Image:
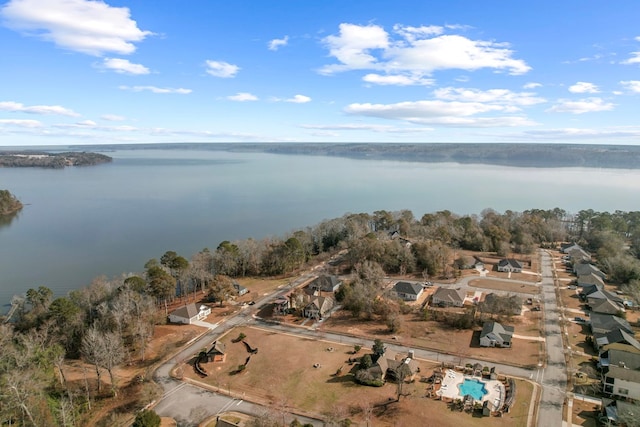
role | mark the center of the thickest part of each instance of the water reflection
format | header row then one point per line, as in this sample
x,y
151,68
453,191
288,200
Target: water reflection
x,y
6,220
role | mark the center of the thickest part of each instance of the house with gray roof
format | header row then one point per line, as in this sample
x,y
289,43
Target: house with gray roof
x,y
616,412
628,357
616,337
585,268
324,283
579,255
510,265
602,324
589,279
568,247
495,335
448,297
407,291
189,313
605,306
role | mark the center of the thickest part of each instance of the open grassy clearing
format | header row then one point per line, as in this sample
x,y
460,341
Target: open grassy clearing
x,y
282,375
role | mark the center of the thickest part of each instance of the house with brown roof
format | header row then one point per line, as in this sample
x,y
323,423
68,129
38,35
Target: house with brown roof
x,y
318,307
448,297
217,352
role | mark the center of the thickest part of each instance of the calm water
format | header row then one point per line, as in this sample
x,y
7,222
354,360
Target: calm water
x,y
80,223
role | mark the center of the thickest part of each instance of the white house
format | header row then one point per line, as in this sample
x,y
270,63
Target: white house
x,y
189,313
495,335
407,291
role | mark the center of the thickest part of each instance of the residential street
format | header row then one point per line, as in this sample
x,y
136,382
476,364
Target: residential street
x,y
554,375
185,402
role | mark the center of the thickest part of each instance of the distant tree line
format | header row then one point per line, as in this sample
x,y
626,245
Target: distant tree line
x,y
17,159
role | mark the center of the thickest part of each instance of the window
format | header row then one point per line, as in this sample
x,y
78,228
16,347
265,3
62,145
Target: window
x,y
623,391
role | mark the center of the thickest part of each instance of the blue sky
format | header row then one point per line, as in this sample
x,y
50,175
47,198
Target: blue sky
x,y
91,72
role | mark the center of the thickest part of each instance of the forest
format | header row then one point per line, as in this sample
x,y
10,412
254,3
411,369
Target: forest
x,y
19,159
9,204
110,322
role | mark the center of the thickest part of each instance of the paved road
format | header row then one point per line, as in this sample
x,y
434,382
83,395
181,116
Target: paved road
x,y
554,375
186,402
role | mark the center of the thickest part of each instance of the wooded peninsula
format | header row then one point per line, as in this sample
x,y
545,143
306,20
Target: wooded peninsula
x,y
9,204
41,159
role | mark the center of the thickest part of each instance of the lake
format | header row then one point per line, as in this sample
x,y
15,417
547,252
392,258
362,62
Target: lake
x,y
79,223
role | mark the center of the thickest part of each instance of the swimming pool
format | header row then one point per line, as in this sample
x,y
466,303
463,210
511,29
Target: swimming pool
x,y
472,387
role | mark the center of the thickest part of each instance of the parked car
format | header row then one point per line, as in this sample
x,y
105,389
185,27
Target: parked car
x,y
580,319
572,287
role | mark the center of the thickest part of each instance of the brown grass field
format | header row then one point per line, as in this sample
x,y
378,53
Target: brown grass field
x,y
282,375
497,285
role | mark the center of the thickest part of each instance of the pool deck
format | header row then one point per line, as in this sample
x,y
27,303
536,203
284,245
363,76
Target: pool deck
x,y
452,379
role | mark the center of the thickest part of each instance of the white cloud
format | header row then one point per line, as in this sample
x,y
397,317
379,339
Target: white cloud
x,y
21,123
397,80
440,112
242,97
154,89
635,58
413,33
221,69
90,27
17,107
581,106
123,66
531,85
299,99
417,51
584,87
112,117
275,44
352,47
496,96
632,85
367,127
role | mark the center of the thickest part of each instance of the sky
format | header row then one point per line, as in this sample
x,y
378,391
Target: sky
x,y
139,71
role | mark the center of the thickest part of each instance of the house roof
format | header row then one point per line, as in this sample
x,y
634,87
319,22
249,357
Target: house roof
x,y
408,288
620,336
625,374
495,329
322,304
217,348
325,283
605,323
449,294
238,287
590,279
604,306
513,263
624,359
188,311
583,268
578,253
588,289
565,247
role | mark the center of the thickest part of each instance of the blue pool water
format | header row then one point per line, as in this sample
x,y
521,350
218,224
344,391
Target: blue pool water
x,y
474,388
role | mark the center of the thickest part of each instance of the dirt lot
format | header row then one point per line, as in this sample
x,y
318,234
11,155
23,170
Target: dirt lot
x,y
282,375
504,286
